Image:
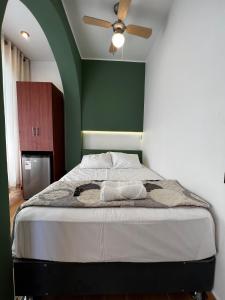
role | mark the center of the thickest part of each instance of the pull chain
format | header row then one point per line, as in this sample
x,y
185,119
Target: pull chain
x,y
122,53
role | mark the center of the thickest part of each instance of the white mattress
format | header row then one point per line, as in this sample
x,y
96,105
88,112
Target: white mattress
x,y
114,234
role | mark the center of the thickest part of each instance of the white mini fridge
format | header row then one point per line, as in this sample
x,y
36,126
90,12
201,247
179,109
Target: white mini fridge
x,y
36,173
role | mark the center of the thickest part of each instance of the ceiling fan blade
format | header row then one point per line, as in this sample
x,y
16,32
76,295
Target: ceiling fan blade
x,y
123,9
96,22
112,48
141,31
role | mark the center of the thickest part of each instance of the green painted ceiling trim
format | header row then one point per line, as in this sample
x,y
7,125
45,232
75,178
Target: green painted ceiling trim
x,y
51,16
6,275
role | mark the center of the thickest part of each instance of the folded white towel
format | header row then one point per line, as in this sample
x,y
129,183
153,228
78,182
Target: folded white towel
x,y
122,190
121,183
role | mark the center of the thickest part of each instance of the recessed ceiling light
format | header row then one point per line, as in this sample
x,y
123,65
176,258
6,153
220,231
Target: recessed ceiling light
x,y
25,35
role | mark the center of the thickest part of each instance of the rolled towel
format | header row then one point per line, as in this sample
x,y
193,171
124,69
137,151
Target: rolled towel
x,y
122,191
121,183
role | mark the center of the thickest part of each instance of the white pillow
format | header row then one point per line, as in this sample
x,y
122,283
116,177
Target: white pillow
x,y
96,161
125,161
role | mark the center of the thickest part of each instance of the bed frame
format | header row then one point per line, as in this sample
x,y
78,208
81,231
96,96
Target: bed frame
x,y
38,278
41,278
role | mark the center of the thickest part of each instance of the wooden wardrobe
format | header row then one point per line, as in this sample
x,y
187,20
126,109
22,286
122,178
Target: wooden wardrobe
x,y
41,122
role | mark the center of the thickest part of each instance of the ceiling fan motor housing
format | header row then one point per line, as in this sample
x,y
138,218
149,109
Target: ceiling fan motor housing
x,y
119,26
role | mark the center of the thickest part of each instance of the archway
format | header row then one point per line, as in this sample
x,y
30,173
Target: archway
x,y
51,17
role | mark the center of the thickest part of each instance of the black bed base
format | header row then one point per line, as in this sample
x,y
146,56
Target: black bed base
x,y
39,278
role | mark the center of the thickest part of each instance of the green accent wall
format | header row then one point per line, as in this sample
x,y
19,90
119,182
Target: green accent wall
x,y
52,18
6,275
112,95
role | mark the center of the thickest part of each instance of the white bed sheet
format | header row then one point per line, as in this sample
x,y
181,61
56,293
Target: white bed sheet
x,y
143,173
114,234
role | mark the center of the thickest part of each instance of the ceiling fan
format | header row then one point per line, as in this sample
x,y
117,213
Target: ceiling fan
x,y
119,27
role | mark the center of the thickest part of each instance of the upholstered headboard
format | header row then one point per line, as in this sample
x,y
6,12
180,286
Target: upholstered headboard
x,y
97,151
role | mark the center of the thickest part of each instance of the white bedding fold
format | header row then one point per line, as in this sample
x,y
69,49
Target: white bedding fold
x,y
112,190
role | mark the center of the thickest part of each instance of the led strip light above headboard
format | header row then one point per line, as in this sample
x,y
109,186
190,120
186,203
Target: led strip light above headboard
x,y
118,140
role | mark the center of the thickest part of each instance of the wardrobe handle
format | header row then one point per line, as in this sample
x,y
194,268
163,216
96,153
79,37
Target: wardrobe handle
x,y
33,131
38,131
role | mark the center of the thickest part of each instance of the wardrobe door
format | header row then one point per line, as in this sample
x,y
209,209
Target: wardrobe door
x,y
27,117
42,95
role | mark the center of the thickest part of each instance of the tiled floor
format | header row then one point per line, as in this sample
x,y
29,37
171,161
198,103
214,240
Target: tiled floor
x,y
16,199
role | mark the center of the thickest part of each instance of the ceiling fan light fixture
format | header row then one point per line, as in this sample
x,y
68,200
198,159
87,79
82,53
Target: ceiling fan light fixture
x,y
118,39
119,27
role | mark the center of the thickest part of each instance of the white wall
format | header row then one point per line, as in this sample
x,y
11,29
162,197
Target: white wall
x,y
46,71
184,122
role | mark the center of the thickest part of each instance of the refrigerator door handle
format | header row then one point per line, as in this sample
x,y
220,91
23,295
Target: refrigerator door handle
x,y
33,131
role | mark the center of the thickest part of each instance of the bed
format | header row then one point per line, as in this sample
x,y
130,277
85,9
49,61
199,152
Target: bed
x,y
59,251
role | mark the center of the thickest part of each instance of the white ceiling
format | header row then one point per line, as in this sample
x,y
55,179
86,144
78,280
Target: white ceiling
x,y
18,17
93,42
